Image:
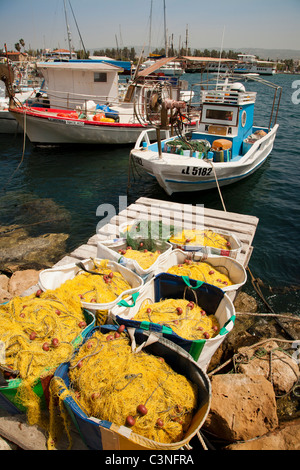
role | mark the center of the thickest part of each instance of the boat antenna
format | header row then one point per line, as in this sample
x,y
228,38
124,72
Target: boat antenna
x,y
77,29
221,50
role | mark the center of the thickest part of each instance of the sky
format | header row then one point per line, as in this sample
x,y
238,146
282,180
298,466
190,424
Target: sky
x,y
230,24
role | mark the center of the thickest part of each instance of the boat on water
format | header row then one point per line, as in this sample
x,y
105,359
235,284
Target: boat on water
x,y
224,148
244,64
84,104
23,86
170,69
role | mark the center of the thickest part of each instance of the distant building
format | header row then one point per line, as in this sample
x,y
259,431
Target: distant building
x,y
15,56
59,54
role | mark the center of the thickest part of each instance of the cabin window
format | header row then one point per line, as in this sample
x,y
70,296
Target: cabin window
x,y
219,115
100,77
224,115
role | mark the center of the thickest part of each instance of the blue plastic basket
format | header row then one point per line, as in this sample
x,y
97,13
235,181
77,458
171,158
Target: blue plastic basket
x,y
100,434
212,299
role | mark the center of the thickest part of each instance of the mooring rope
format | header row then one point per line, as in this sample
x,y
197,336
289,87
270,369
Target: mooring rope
x,y
23,153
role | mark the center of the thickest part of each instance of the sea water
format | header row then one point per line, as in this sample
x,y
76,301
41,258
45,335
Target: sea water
x,y
64,186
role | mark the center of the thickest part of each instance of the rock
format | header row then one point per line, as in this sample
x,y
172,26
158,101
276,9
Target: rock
x,y
4,280
286,437
245,303
242,407
5,296
5,445
284,369
20,281
18,250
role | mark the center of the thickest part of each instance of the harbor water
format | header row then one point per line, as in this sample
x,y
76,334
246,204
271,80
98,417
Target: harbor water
x,y
63,187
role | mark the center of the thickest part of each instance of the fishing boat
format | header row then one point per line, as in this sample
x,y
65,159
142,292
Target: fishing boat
x,y
84,105
224,148
172,68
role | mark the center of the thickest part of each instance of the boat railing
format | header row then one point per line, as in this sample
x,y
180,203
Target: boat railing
x,y
227,97
144,137
261,144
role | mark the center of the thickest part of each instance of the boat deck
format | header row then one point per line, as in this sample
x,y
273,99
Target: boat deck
x,y
14,428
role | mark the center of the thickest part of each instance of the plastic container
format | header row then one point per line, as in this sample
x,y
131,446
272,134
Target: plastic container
x,y
167,286
54,277
103,435
229,266
221,144
235,246
110,248
221,156
8,392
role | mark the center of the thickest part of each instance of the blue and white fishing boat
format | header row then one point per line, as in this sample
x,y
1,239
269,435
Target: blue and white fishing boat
x,y
224,148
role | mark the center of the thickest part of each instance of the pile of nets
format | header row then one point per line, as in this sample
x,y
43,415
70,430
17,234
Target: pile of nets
x,y
195,237
143,257
103,288
150,231
111,382
185,318
179,145
201,271
37,333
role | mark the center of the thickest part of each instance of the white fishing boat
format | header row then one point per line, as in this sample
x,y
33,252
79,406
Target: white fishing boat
x,y
84,105
225,147
170,69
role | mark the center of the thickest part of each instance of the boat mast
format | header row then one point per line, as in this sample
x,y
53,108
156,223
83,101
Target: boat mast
x,y
68,30
165,28
78,29
150,28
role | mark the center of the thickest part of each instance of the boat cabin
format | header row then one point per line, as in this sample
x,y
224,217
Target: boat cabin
x,y
73,83
227,114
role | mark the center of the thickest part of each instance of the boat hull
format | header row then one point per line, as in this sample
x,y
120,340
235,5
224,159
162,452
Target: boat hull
x,y
178,173
42,130
8,124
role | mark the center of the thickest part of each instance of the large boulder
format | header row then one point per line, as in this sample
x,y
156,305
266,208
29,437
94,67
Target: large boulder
x,y
271,362
242,407
20,281
285,437
20,251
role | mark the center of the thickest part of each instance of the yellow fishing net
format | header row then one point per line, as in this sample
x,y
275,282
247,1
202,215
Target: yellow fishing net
x,y
138,390
37,332
92,288
186,318
144,258
195,237
201,271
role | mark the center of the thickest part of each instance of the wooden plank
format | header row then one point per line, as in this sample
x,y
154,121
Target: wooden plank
x,y
84,252
248,219
244,233
245,238
189,216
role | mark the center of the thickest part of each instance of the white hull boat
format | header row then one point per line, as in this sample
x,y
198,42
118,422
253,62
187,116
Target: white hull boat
x,y
225,147
180,173
47,126
92,113
8,123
